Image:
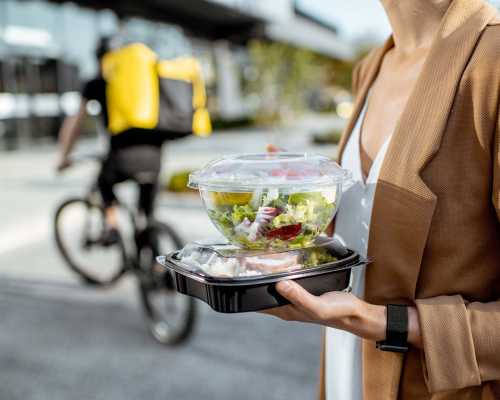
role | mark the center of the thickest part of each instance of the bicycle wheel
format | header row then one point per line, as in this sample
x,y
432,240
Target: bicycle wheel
x,y
78,228
170,315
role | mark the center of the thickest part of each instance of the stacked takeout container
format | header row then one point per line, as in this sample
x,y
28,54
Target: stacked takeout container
x,y
272,210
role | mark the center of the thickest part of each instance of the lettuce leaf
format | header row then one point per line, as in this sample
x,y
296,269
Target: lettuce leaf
x,y
302,198
241,212
317,257
283,220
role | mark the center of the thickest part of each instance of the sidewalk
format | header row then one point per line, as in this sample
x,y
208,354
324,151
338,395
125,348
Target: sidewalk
x,y
60,340
31,190
196,152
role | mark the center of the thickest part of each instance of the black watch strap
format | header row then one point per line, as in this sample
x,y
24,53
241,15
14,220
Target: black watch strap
x,y
396,339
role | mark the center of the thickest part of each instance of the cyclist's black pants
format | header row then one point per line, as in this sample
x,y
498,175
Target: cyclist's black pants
x,y
141,164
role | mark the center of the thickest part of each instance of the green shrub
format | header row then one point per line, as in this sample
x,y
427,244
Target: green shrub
x,y
221,124
330,137
178,182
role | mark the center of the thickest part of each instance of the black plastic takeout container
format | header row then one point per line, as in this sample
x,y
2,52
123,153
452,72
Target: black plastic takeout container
x,y
254,293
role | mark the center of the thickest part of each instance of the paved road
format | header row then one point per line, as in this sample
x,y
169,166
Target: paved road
x,y
71,343
59,340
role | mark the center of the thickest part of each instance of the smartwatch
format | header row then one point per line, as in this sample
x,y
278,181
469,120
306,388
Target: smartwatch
x,y
396,333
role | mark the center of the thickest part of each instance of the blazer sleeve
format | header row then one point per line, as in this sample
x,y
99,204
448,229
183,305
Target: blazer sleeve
x,y
462,340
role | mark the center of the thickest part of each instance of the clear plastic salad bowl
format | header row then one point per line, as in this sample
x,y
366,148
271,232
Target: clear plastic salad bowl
x,y
271,201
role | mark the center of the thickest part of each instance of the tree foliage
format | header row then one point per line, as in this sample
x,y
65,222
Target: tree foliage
x,y
285,76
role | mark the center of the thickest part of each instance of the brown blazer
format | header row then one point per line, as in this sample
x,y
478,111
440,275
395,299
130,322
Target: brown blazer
x,y
435,231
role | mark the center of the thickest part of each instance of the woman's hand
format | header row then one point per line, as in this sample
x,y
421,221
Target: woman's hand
x,y
339,310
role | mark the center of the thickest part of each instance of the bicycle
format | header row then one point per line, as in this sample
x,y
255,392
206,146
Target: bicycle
x,y
78,230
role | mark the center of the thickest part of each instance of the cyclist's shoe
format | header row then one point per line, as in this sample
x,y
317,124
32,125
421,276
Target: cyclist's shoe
x,y
110,237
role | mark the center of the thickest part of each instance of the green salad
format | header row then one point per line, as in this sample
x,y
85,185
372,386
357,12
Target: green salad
x,y
270,219
318,256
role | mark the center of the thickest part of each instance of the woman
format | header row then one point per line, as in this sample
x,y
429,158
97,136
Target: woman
x,y
424,145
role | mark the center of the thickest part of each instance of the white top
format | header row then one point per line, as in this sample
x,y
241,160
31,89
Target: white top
x,y
343,350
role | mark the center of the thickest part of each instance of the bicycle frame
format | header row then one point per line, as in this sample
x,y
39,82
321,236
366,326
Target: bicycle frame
x,y
132,248
137,248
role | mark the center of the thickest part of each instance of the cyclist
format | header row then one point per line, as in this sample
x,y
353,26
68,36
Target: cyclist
x,y
132,155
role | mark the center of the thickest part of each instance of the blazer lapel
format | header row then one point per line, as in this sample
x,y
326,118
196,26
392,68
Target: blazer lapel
x,y
404,204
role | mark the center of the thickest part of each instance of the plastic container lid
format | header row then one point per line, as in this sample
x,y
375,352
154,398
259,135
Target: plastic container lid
x,y
226,260
283,171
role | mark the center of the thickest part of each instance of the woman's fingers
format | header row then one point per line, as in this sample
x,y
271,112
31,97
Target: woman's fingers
x,y
304,306
300,297
286,313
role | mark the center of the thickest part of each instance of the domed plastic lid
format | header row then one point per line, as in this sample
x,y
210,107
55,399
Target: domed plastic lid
x,y
284,171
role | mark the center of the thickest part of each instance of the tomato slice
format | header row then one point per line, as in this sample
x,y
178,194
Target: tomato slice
x,y
285,232
278,172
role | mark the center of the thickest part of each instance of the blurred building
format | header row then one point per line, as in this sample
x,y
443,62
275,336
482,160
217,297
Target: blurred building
x,y
47,50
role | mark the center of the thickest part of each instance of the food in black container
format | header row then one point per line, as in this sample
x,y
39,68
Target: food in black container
x,y
234,280
273,208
